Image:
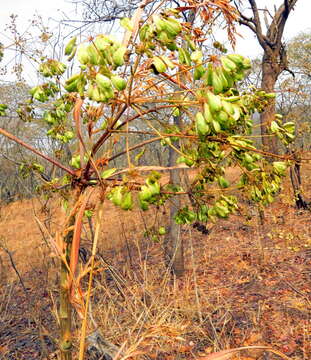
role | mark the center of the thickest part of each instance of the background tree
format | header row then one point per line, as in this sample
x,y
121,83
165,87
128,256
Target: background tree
x,y
269,29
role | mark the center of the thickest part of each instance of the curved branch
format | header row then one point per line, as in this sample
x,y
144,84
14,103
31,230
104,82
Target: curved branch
x,y
35,151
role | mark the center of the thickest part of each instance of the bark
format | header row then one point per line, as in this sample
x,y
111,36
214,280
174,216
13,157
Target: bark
x,y
65,308
270,73
173,244
295,177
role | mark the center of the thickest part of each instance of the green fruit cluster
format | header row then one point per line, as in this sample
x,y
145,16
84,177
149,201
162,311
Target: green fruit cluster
x,y
3,107
75,83
43,92
219,113
163,29
103,51
120,196
148,193
285,132
222,78
51,68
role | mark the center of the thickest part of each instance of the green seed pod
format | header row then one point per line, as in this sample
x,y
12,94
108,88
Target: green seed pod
x,y
117,196
162,230
236,58
118,56
201,126
127,202
223,183
214,102
70,46
94,55
228,64
118,82
199,71
82,54
159,64
103,81
207,113
217,83
172,26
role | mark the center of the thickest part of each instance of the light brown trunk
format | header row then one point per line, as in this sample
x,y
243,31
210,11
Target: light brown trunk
x,y
65,307
173,244
270,73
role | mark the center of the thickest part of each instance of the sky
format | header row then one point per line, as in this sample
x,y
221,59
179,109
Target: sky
x,y
52,10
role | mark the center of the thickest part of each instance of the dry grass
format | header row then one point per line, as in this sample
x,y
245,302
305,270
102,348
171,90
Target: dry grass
x,y
245,284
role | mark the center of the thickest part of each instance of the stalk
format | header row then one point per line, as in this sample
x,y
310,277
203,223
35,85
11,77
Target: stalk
x,y
65,343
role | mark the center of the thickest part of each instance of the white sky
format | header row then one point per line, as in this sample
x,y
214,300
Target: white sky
x,y
298,21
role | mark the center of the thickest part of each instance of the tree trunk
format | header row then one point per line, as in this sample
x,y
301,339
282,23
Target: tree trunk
x,y
173,244
295,178
270,74
65,343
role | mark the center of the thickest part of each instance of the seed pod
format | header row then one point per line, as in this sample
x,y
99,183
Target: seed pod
x,y
209,75
72,86
70,46
127,202
107,94
82,54
228,108
144,205
207,113
117,196
228,64
246,64
199,71
118,82
94,56
118,56
237,112
103,82
222,118
236,58
101,43
184,56
223,79
239,75
201,126
214,102
229,77
224,183
197,56
158,65
159,22
172,26
144,32
145,193
217,83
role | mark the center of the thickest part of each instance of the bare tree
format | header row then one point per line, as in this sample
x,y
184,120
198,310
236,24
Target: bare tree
x,y
274,60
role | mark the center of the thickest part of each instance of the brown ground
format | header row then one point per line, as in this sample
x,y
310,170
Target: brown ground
x,y
245,284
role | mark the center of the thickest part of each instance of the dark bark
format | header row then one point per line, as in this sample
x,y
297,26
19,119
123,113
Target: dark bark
x,y
295,177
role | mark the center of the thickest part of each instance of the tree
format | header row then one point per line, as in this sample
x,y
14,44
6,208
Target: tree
x,y
295,105
274,60
119,83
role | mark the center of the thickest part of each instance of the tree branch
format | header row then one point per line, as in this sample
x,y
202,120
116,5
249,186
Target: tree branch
x,y
260,36
32,149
